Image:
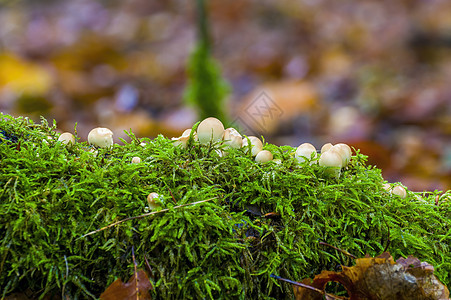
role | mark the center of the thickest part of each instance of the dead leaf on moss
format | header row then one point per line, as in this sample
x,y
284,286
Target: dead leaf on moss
x,y
137,288
380,278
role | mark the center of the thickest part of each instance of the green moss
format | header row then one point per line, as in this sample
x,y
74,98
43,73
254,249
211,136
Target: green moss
x,y
226,248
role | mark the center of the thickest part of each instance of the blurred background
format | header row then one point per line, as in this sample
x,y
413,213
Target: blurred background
x,y
373,74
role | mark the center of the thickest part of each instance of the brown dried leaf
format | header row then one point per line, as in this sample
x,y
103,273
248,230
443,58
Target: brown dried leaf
x,y
137,288
381,278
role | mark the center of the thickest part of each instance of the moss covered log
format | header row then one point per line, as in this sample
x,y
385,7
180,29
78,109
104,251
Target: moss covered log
x,y
261,219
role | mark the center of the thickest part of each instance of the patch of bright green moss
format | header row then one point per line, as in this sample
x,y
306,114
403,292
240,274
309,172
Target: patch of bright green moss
x,y
51,196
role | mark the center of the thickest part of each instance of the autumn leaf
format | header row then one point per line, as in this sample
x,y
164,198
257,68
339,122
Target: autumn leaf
x,y
137,288
378,278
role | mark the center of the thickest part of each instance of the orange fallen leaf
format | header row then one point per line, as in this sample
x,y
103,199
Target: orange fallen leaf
x,y
137,288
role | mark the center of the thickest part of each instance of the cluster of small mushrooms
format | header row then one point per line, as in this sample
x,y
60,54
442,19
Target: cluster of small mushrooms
x,y
210,131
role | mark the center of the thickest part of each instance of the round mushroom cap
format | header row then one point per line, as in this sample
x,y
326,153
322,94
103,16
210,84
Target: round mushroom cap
x,y
331,158
326,147
136,160
399,191
232,138
345,152
152,200
181,141
187,133
305,151
210,130
67,138
101,137
256,143
263,156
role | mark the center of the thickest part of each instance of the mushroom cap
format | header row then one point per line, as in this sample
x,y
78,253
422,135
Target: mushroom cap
x,y
263,156
332,161
326,147
210,130
331,158
101,137
256,143
181,141
67,138
387,187
305,151
345,152
187,133
399,191
232,138
151,200
136,160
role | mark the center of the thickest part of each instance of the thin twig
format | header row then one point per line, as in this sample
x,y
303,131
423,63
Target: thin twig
x,y
306,286
341,250
145,215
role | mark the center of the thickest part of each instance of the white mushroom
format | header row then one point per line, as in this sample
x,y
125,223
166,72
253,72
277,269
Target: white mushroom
x,y
180,141
152,200
256,144
345,152
232,138
101,137
304,152
387,187
210,130
263,156
67,138
332,161
399,191
326,147
187,133
136,160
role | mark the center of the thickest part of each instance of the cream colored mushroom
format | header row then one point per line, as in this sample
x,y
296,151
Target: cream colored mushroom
x,y
67,138
263,156
136,160
152,200
101,137
345,152
326,147
399,191
387,187
256,145
232,138
210,130
332,161
305,151
180,141
187,133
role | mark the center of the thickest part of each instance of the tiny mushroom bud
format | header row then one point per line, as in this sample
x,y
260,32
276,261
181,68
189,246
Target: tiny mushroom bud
x,y
326,147
67,138
332,161
263,156
256,144
304,152
210,130
399,191
101,137
232,138
152,200
136,160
